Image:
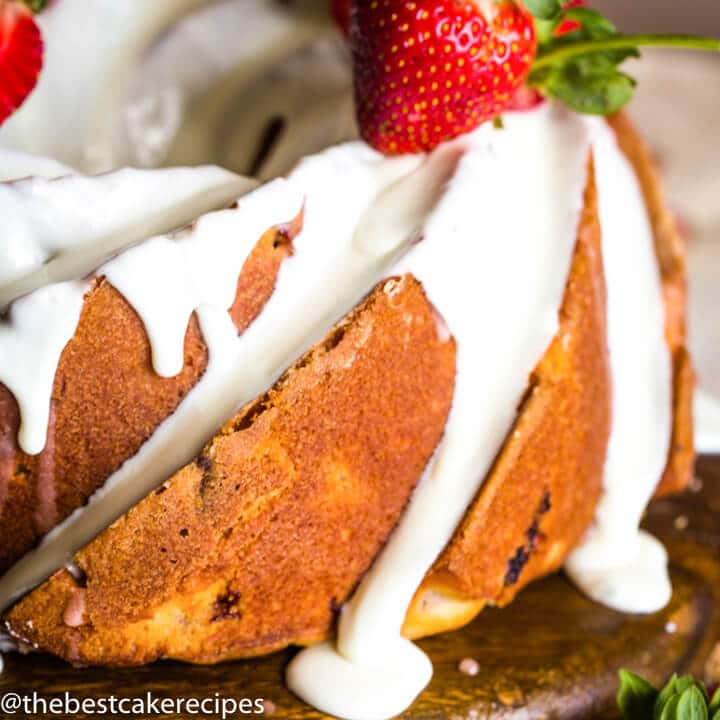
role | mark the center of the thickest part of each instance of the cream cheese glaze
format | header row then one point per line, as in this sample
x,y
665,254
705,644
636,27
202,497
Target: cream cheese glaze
x,y
616,564
60,229
37,329
15,165
506,201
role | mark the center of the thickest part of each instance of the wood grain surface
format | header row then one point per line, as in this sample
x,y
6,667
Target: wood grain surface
x,y
551,654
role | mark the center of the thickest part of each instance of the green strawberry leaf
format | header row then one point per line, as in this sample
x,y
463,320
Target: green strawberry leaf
x,y
581,67
544,9
664,696
715,703
670,710
591,92
36,5
692,705
636,696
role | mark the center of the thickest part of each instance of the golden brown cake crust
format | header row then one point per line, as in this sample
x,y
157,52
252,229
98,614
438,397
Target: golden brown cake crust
x,y
106,402
257,543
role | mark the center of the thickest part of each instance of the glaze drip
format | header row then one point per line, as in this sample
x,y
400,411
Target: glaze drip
x,y
616,564
32,339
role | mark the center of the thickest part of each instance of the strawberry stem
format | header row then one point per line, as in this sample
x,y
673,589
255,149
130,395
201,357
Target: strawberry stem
x,y
624,42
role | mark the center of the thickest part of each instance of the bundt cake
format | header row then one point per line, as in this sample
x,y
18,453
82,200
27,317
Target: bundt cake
x,y
450,364
355,405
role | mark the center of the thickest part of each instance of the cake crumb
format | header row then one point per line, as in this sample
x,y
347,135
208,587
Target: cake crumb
x,y
681,522
269,707
469,666
511,697
696,484
670,628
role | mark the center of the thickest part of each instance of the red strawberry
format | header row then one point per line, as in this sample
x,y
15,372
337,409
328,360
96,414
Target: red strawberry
x,y
526,98
21,55
340,11
568,26
429,71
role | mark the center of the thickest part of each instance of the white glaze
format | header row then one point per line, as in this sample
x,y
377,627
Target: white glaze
x,y
498,277
31,341
167,278
15,165
60,229
92,51
324,279
615,564
6,645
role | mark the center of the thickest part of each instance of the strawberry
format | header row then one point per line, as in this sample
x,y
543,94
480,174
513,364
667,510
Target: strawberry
x,y
426,72
526,98
21,55
340,11
568,26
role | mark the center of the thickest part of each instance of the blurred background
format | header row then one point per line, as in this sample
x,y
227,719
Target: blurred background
x,y
196,81
691,16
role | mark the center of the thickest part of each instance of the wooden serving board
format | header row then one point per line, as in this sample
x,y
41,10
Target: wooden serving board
x,y
551,654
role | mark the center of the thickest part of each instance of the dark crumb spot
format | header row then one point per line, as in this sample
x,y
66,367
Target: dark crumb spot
x,y
78,574
545,504
534,537
184,532
335,338
282,236
22,470
516,565
204,463
253,413
304,361
160,490
163,550
237,487
532,532
227,606
335,606
234,206
227,533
